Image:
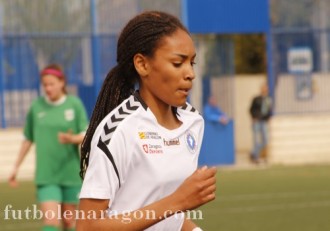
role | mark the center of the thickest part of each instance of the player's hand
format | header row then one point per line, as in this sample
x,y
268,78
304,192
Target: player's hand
x,y
12,179
224,120
197,189
65,137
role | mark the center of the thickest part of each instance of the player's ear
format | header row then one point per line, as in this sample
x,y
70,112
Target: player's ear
x,y
141,65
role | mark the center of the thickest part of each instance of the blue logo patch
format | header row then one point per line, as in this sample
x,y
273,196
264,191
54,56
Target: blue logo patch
x,y
191,142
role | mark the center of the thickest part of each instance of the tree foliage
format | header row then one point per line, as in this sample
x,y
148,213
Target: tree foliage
x,y
240,54
250,54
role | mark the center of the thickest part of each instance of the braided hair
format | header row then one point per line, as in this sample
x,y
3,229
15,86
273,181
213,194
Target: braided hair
x,y
143,35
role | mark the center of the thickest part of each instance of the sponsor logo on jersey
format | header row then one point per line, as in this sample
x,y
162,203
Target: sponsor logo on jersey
x,y
171,142
145,148
41,114
191,142
69,114
149,135
152,148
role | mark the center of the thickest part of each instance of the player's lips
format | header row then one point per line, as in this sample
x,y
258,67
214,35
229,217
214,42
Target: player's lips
x,y
184,91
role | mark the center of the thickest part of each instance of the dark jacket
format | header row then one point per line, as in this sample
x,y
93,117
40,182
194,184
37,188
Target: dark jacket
x,y
256,108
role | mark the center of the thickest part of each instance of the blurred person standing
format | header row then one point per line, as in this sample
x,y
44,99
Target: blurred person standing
x,y
213,113
56,123
260,111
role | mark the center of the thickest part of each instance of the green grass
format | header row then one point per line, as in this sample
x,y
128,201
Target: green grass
x,y
277,198
20,198
265,199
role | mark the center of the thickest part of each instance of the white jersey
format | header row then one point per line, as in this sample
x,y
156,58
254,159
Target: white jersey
x,y
134,161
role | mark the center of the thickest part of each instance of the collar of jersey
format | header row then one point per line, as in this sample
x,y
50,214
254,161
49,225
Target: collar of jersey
x,y
57,102
145,106
170,133
139,98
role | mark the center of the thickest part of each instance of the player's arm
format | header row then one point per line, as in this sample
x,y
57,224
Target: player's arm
x,y
196,190
24,149
82,124
70,138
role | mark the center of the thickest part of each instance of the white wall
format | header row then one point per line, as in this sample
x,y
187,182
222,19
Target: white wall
x,y
300,139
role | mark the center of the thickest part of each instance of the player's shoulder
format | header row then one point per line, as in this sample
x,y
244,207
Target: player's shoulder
x,y
38,101
189,111
121,119
73,99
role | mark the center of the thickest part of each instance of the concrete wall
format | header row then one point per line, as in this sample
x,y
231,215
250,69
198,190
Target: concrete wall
x,y
300,139
286,94
10,141
246,87
294,138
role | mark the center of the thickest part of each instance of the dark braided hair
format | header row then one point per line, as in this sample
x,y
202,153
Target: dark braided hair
x,y
141,35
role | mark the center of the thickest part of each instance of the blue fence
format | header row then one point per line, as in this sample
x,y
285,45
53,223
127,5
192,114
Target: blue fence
x,y
80,35
301,25
20,74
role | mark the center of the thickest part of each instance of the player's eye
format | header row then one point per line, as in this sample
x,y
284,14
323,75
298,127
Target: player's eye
x,y
177,64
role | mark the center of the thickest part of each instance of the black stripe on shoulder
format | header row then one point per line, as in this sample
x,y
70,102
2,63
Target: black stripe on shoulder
x,y
184,107
188,107
107,152
115,118
131,107
122,112
108,130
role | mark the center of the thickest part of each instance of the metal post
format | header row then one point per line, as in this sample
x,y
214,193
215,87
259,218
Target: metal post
x,y
269,48
2,74
95,47
184,13
324,41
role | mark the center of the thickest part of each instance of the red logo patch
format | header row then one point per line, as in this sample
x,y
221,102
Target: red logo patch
x,y
145,148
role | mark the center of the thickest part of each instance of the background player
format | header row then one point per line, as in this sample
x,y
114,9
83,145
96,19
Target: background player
x,y
56,123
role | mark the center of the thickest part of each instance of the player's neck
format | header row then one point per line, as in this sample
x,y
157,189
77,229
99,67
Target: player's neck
x,y
167,119
55,102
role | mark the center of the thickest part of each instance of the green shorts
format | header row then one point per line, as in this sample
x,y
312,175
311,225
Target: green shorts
x,y
58,193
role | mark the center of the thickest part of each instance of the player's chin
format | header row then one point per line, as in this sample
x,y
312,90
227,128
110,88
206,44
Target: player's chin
x,y
179,99
51,97
180,102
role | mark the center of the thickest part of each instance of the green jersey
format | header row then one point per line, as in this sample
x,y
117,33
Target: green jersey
x,y
56,163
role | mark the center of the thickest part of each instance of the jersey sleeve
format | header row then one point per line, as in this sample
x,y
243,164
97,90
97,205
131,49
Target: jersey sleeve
x,y
106,170
28,127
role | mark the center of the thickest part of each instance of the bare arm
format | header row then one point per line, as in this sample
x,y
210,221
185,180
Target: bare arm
x,y
196,190
24,149
70,138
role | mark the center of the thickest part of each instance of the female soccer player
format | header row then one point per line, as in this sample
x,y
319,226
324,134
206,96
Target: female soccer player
x,y
140,152
56,123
